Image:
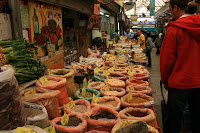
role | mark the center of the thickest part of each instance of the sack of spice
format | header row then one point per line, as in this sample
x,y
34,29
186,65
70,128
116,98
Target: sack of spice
x,y
115,83
76,124
44,97
69,75
117,75
113,91
96,131
56,83
125,122
141,114
88,95
136,82
35,128
102,118
99,77
96,85
81,106
107,101
36,115
137,100
139,89
139,76
11,107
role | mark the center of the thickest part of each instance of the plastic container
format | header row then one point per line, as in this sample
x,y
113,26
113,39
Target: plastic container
x,y
44,97
106,101
78,102
77,94
136,82
11,107
60,85
140,114
148,103
40,120
69,75
140,89
113,91
78,129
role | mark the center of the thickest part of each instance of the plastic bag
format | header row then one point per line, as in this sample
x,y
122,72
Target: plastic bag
x,y
113,91
96,85
37,129
45,97
101,124
60,85
115,83
41,120
149,103
79,102
120,124
69,75
107,99
77,94
94,53
136,82
141,114
78,129
11,107
140,89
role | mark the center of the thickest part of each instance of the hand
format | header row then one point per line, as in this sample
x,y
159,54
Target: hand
x,y
166,87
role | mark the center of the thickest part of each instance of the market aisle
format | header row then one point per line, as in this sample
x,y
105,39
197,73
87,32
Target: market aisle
x,y
155,84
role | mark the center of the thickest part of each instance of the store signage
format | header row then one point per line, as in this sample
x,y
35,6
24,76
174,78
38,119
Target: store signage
x,y
152,7
45,5
96,9
134,18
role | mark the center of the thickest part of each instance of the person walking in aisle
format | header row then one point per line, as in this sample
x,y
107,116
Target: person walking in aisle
x,y
128,34
149,45
141,40
180,63
115,36
158,42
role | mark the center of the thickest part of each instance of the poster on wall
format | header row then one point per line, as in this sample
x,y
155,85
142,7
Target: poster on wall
x,y
46,32
94,22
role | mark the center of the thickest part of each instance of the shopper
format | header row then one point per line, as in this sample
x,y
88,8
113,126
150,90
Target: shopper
x,y
149,45
115,36
141,40
127,34
180,63
158,42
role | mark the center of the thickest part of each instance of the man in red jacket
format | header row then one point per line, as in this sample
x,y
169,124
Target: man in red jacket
x,y
180,64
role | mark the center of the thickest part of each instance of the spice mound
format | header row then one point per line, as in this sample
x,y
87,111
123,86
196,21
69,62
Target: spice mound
x,y
73,121
104,114
95,84
140,89
136,114
137,100
79,108
31,112
87,95
113,103
49,82
111,92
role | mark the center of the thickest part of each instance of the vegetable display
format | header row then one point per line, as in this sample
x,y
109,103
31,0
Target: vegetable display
x,y
20,55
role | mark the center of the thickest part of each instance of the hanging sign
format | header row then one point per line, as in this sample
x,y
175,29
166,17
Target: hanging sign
x,y
96,9
152,7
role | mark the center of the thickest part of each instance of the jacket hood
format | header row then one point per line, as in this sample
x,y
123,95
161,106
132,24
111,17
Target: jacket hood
x,y
190,24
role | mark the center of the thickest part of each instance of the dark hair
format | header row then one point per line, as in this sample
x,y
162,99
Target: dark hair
x,y
116,30
148,34
185,5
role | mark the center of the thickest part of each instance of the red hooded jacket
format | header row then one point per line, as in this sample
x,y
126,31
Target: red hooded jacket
x,y
180,54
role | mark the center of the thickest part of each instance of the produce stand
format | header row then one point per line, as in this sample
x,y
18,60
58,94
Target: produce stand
x,y
98,104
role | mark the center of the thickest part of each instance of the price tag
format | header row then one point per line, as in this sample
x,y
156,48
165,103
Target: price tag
x,y
84,82
43,80
96,70
130,76
87,115
114,66
134,57
105,72
32,91
125,123
83,91
94,98
111,69
131,87
71,104
24,130
64,119
130,96
50,129
106,88
123,51
61,110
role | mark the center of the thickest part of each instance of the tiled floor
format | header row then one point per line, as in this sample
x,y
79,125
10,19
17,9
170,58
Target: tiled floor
x,y
155,84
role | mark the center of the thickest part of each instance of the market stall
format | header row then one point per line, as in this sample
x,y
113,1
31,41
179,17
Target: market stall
x,y
102,93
